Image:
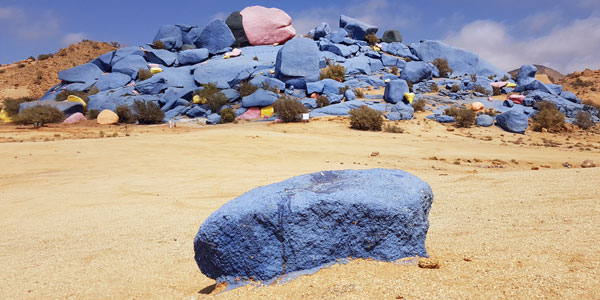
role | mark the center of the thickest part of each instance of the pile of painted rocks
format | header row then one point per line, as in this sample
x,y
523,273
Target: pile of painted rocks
x,y
260,45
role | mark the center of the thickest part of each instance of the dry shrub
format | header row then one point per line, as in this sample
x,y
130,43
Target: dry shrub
x,y
92,114
246,88
452,111
365,118
582,83
125,114
480,89
147,112
419,105
394,70
334,71
393,128
158,44
267,87
455,88
372,39
11,105
410,85
64,94
216,101
442,65
505,78
144,74
40,115
434,88
322,101
548,117
584,120
407,59
227,115
207,90
44,56
465,118
592,104
490,112
359,93
289,109
497,91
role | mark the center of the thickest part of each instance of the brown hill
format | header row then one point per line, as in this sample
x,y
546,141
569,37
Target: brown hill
x,y
34,77
585,84
553,75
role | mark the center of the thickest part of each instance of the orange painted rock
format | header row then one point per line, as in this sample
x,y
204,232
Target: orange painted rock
x,y
314,95
107,117
267,26
477,106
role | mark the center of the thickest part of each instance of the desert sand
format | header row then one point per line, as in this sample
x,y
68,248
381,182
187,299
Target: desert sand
x,y
85,217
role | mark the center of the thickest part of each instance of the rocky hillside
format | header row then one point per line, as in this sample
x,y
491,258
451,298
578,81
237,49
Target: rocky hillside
x,y
35,77
585,84
553,75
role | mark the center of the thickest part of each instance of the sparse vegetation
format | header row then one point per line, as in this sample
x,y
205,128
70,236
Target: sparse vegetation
x,y
365,118
39,115
394,70
227,115
419,105
115,44
144,74
246,88
322,101
593,104
455,88
216,101
474,77
158,44
147,112
584,120
465,118
393,128
434,88
11,105
372,39
20,66
578,83
289,109
92,114
548,117
267,87
407,59
360,93
342,90
490,112
479,89
410,85
442,65
255,58
505,78
64,94
45,56
334,71
125,114
497,91
207,90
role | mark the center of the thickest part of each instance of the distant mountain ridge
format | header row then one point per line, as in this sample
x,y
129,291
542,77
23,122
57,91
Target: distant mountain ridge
x,y
552,74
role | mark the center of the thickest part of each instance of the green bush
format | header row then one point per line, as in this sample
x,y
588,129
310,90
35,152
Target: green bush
x,y
216,101
246,88
125,114
548,117
144,74
289,109
227,115
372,39
584,120
40,115
147,112
334,71
442,65
365,118
11,105
322,101
419,105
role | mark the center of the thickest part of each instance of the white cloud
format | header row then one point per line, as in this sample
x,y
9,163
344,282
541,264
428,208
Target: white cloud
x,y
566,49
542,21
28,26
73,38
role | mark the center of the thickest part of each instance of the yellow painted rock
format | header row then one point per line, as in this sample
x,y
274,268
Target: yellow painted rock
x,y
410,97
4,117
198,100
107,117
266,112
73,98
376,48
511,85
155,70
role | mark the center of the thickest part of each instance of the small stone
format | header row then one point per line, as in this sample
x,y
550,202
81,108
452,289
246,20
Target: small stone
x,y
535,168
428,263
588,164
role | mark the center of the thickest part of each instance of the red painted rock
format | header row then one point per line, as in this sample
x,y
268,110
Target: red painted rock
x,y
517,99
267,26
75,118
107,117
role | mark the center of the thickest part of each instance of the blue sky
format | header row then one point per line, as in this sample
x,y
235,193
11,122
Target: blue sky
x,y
561,34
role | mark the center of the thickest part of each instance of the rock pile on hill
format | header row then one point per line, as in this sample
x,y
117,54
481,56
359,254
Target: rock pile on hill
x,y
183,58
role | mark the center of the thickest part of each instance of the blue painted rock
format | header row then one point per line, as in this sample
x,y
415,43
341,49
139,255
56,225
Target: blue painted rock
x,y
484,120
161,56
313,220
82,73
513,121
112,81
406,111
321,31
192,56
394,91
67,108
525,77
171,36
298,62
259,98
445,119
417,71
215,36
213,119
357,65
390,36
130,65
356,28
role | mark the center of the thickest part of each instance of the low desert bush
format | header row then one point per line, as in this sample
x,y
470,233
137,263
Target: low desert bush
x,y
393,128
267,87
125,114
246,88
548,117
582,83
593,104
434,88
465,118
11,105
207,90
334,71
455,88
394,70
158,44
584,120
365,118
227,115
419,105
359,93
372,39
92,114
44,56
497,91
442,65
216,101
64,94
452,111
490,112
410,85
39,115
322,101
505,78
474,77
144,74
480,89
407,59
289,109
147,112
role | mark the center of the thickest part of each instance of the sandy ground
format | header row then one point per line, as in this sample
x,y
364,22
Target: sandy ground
x,y
84,217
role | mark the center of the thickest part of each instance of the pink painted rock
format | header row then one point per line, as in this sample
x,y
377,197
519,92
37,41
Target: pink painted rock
x,y
499,85
517,99
107,117
250,114
75,118
267,26
490,99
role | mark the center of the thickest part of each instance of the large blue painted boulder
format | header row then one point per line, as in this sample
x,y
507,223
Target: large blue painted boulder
x,y
484,120
171,36
112,81
82,73
130,65
125,52
298,62
192,56
321,31
394,91
161,56
67,108
513,121
215,36
357,65
313,220
417,71
338,49
338,36
525,77
224,72
406,111
356,28
259,98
